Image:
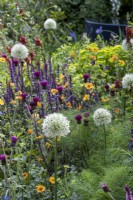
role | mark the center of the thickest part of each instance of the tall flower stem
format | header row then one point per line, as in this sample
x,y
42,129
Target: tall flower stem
x,y
124,106
104,144
55,167
111,196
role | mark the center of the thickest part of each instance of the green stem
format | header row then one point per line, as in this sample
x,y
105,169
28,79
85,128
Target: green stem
x,y
55,168
111,196
124,106
104,144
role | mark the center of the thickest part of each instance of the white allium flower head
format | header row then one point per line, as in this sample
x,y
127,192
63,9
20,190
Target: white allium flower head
x,y
55,124
19,51
102,117
125,45
50,24
127,81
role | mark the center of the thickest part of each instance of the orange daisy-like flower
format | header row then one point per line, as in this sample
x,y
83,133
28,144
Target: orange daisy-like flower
x,y
86,97
92,57
30,131
89,86
69,104
54,91
79,107
40,188
25,175
52,180
39,104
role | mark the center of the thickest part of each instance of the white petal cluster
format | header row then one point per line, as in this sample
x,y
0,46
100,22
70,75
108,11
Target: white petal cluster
x,y
125,45
50,24
127,81
55,125
19,51
102,117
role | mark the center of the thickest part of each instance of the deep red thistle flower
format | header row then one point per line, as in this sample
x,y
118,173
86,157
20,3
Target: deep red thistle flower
x,y
44,84
36,99
15,62
86,76
78,118
59,88
13,140
32,55
23,95
38,42
86,121
37,74
4,55
3,159
27,60
117,84
33,104
105,187
129,33
23,40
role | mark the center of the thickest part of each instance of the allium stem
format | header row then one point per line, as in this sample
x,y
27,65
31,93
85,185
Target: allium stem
x,y
124,106
111,195
55,167
104,144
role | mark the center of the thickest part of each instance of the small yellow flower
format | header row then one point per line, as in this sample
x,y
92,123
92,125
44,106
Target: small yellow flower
x,y
54,91
86,97
66,85
112,87
40,121
39,104
12,84
1,102
39,137
48,145
89,86
79,107
62,97
72,54
30,131
39,159
13,102
40,188
52,180
35,116
62,76
69,104
117,110
25,175
95,49
104,99
122,63
2,60
59,83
